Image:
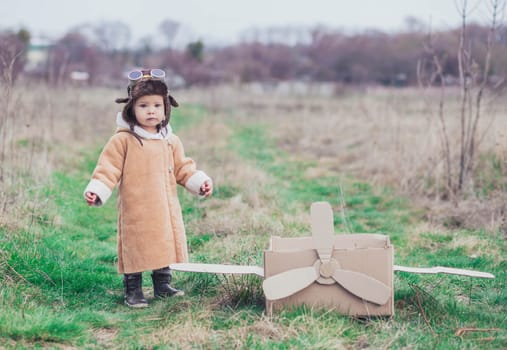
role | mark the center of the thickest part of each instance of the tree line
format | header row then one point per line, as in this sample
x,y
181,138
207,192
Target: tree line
x,y
316,55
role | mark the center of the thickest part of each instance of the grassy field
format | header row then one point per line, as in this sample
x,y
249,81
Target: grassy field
x,y
270,157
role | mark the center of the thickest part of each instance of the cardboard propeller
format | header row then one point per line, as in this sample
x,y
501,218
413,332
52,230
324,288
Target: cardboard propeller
x,y
325,270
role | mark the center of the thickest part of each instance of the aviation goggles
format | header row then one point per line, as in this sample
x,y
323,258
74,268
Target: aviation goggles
x,y
136,75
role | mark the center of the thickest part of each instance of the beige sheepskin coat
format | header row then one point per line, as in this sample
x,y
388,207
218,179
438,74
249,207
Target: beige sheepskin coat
x,y
151,234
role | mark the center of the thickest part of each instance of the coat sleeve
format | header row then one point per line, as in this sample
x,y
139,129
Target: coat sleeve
x,y
185,169
109,169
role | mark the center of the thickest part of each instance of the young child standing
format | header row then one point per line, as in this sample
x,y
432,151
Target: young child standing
x,y
146,160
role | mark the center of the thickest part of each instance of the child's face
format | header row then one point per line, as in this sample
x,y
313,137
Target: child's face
x,y
149,112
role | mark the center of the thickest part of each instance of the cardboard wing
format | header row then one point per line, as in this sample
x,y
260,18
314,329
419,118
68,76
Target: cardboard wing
x,y
219,268
351,273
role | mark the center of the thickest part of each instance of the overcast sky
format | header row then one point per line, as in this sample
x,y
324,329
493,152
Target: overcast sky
x,y
224,20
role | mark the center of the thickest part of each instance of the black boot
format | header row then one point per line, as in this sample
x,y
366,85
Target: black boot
x,y
161,284
134,296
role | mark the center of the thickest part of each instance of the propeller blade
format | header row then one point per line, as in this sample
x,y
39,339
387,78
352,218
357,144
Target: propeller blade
x,y
363,286
289,282
322,229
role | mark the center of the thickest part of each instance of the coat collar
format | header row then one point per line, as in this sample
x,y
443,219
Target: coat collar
x,y
163,134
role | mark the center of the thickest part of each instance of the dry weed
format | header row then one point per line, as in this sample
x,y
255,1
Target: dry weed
x,y
389,137
383,136
45,128
105,336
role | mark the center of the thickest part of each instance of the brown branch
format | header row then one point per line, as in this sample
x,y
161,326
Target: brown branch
x,y
445,136
8,79
421,309
464,83
438,73
482,86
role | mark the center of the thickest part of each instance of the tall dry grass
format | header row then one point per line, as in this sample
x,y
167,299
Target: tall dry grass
x,y
388,137
42,129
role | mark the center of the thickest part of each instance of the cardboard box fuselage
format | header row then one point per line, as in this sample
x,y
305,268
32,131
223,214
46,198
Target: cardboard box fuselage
x,y
369,254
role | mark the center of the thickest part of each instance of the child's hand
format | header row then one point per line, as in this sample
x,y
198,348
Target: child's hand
x,y
206,189
91,198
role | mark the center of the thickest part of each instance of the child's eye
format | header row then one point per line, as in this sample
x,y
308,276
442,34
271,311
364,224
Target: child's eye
x,y
158,105
142,105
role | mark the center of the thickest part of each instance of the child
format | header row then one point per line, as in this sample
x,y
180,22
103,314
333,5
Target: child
x,y
147,160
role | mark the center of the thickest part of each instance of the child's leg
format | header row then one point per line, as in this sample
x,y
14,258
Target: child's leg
x,y
133,286
161,284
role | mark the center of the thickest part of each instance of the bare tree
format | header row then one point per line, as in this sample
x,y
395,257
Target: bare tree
x,y
473,81
112,36
12,53
11,64
169,28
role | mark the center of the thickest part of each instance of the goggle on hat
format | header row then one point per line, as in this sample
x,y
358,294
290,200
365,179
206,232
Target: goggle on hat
x,y
147,82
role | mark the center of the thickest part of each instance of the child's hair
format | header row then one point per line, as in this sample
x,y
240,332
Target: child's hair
x,y
143,87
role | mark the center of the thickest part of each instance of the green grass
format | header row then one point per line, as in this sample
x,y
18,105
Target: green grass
x,y
364,208
59,287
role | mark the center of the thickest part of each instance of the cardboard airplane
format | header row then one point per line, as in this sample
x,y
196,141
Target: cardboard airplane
x,y
351,273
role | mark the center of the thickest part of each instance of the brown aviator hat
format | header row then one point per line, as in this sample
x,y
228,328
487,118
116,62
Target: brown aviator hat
x,y
146,82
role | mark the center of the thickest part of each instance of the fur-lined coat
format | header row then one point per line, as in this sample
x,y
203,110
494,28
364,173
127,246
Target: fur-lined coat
x,y
151,234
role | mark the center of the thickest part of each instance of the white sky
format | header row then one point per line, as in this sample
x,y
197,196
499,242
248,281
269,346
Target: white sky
x,y
224,20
